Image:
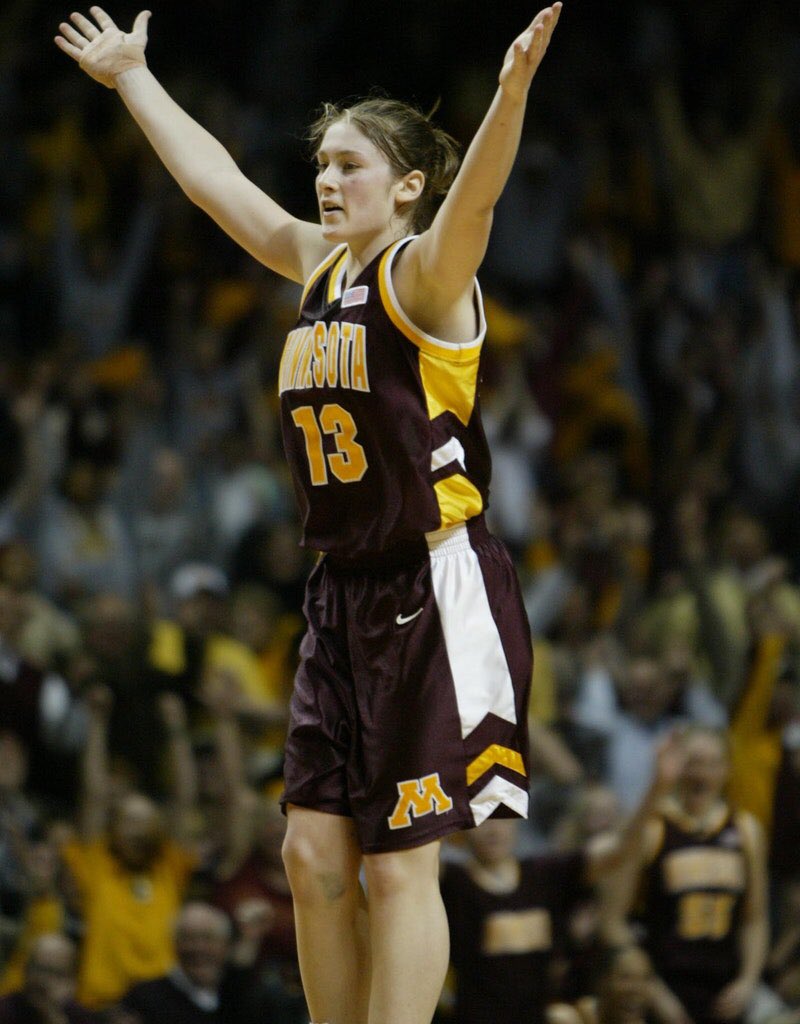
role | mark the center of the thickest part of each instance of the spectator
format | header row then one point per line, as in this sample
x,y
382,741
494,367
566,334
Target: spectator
x,y
115,652
169,526
624,986
507,916
37,706
131,864
83,546
96,296
17,819
643,704
46,635
249,873
47,996
702,868
49,906
203,986
715,170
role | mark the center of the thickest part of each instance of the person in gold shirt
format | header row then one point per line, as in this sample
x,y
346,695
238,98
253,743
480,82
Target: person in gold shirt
x,y
131,864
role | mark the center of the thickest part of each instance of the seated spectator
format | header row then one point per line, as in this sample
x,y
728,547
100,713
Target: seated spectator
x,y
249,874
83,545
195,638
46,634
38,707
131,864
270,554
48,900
17,818
257,622
624,987
169,525
47,995
508,916
203,987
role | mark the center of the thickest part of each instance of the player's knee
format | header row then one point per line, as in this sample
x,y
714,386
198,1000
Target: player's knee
x,y
301,858
405,871
313,875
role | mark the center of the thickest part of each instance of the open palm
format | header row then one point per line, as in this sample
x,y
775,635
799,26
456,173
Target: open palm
x,y
103,50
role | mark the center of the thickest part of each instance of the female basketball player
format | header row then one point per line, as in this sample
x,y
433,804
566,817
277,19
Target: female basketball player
x,y
408,717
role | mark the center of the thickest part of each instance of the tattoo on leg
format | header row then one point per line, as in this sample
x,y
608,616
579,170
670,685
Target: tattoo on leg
x,y
332,885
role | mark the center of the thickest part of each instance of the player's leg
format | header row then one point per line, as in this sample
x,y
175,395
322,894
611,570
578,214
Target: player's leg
x,y
323,860
409,938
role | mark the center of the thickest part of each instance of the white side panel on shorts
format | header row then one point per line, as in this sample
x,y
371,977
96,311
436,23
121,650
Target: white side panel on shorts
x,y
477,659
495,792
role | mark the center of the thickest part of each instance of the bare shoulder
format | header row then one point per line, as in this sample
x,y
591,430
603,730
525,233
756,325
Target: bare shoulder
x,y
425,300
752,832
653,838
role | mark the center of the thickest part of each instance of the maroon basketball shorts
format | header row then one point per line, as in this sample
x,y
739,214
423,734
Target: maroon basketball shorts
x,y
409,711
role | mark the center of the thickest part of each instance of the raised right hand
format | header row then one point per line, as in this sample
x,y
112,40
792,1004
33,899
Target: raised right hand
x,y
103,52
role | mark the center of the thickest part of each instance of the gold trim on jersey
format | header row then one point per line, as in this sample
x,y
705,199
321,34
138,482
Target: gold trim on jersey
x,y
448,387
330,259
336,279
454,352
458,500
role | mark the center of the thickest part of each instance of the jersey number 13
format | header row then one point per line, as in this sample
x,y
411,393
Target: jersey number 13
x,y
348,463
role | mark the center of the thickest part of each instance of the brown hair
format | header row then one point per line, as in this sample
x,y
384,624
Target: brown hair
x,y
407,138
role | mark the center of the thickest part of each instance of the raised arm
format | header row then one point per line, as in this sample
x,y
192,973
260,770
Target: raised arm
x,y
196,160
438,271
182,768
95,780
617,851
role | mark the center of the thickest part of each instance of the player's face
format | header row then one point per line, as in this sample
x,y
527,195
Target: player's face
x,y
356,187
706,769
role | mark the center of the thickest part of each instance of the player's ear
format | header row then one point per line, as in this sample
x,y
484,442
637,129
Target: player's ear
x,y
410,187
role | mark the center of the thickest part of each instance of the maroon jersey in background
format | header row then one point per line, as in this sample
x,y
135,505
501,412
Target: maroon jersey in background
x,y
502,944
695,889
381,423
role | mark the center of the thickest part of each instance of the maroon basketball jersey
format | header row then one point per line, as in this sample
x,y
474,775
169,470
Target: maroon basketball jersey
x,y
695,891
381,423
502,945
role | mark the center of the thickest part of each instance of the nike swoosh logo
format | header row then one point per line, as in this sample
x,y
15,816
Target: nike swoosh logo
x,y
401,620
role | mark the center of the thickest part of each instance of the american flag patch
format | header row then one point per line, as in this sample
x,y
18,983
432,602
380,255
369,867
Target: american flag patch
x,y
355,296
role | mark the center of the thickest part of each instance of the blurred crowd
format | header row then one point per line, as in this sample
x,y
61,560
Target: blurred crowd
x,y
642,398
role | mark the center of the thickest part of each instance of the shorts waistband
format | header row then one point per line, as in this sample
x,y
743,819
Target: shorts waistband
x,y
458,538
436,544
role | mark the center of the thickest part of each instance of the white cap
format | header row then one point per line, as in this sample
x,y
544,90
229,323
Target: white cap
x,y
197,578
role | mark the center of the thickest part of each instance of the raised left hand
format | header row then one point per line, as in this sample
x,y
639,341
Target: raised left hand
x,y
526,53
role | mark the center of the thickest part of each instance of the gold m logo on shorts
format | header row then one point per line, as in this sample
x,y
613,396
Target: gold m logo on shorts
x,y
419,797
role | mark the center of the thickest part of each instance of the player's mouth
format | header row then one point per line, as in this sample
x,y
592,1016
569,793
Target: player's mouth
x,y
330,208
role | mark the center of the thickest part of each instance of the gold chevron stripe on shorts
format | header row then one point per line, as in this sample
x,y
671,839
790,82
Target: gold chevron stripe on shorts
x,y
495,754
